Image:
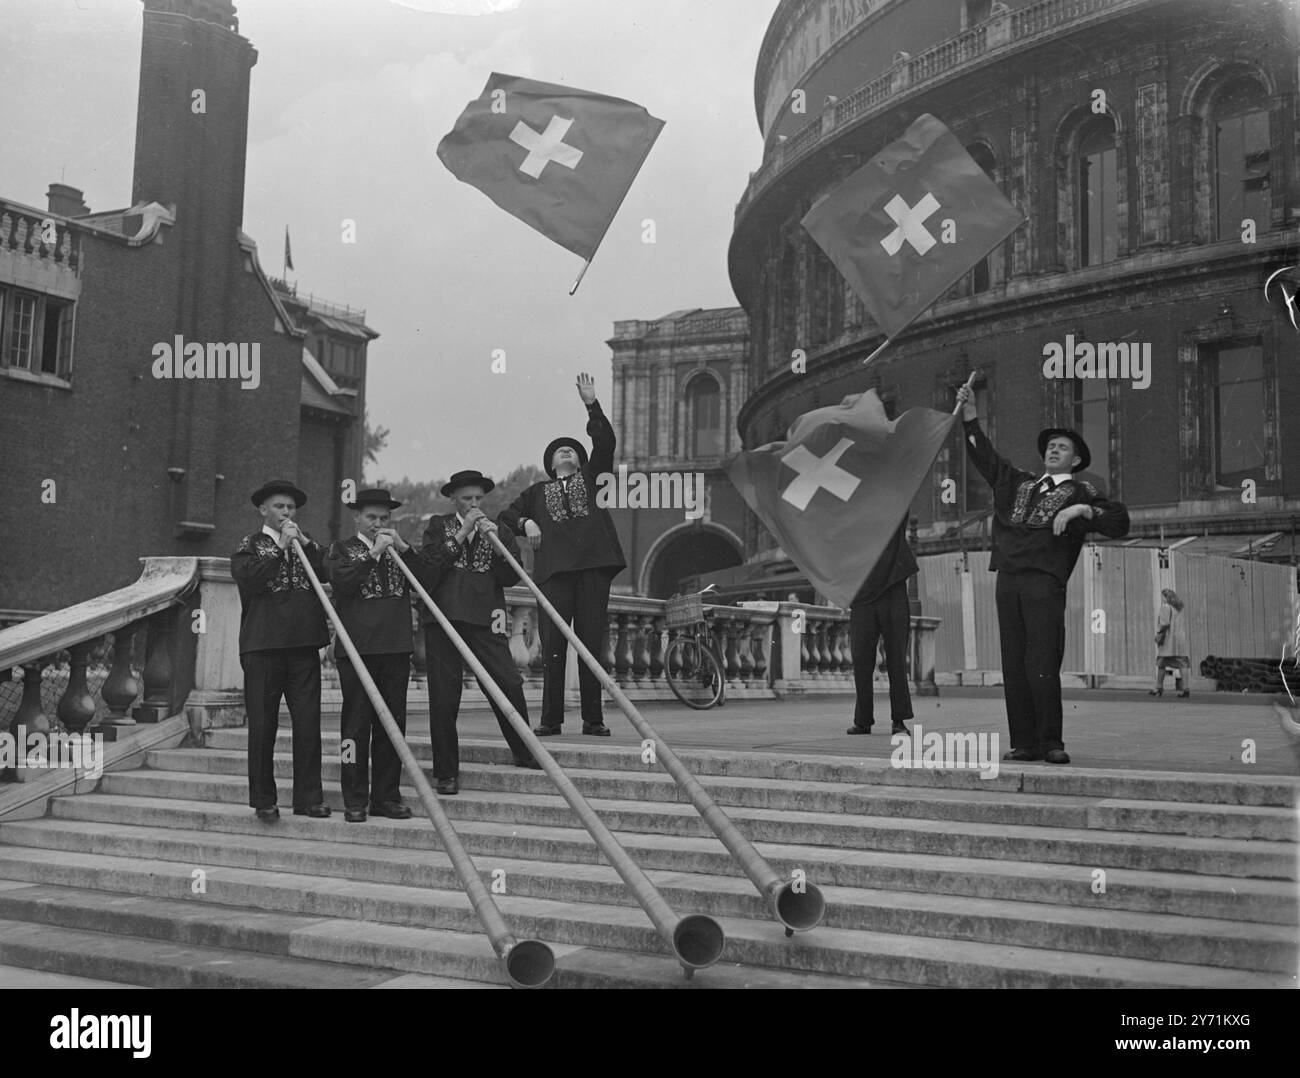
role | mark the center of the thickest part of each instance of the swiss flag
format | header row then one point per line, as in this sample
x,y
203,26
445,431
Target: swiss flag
x,y
834,492
904,227
559,159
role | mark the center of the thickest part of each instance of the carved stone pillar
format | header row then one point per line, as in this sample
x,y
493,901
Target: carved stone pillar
x,y
158,673
644,630
121,687
77,707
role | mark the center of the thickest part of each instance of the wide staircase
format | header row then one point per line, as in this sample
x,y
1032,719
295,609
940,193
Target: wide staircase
x,y
1040,878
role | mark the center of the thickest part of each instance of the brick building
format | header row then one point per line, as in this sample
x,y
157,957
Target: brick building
x,y
105,460
679,383
1154,148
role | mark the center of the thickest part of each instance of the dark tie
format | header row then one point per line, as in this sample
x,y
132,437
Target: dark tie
x,y
1044,485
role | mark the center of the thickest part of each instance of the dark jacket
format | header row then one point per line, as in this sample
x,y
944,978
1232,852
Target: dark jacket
x,y
279,608
372,597
465,580
897,562
576,532
1022,527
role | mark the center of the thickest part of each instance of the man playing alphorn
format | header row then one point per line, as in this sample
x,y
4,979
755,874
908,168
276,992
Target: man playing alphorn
x,y
373,600
281,632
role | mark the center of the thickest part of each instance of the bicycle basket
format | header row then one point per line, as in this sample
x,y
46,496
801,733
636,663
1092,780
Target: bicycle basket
x,y
682,610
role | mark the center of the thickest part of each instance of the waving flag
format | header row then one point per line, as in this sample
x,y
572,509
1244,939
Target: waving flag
x,y
559,159
834,492
904,227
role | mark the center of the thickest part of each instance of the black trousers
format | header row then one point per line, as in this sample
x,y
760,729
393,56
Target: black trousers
x,y
1031,625
445,672
293,673
370,746
888,616
581,598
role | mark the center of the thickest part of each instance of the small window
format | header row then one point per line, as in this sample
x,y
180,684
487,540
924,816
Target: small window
x,y
20,331
56,338
1241,159
1092,420
1237,375
1098,195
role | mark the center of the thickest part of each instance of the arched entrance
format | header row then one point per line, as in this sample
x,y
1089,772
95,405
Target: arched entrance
x,y
688,551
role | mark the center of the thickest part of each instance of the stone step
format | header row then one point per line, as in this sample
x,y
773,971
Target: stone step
x,y
618,754
843,952
1106,850
427,953
1098,930
1170,893
111,955
982,805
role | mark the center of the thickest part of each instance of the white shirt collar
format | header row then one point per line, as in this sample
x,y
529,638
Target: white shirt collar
x,y
460,518
277,536
366,539
1057,480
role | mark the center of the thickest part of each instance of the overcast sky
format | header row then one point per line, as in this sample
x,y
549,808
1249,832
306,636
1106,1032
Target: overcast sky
x,y
349,101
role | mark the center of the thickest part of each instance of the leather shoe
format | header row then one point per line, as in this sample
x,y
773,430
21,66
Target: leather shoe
x,y
316,812
597,730
548,731
394,810
354,815
900,728
447,787
268,815
1022,754
528,762
858,730
1056,756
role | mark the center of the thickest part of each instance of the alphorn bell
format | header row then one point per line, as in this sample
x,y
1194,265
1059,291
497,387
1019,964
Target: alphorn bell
x,y
527,963
797,904
696,940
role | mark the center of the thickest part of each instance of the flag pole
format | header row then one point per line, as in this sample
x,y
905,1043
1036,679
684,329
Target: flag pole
x,y
585,266
969,382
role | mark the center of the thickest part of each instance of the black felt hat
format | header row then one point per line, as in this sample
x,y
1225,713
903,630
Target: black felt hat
x,y
1080,446
466,479
373,496
573,443
279,486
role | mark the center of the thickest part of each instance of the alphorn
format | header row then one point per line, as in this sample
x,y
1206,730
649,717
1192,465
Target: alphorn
x,y
797,904
695,940
527,963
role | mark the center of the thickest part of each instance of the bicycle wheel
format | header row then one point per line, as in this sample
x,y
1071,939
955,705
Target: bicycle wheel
x,y
694,673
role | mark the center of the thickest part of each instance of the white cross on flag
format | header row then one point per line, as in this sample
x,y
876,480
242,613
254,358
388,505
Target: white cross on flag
x,y
559,159
834,492
905,226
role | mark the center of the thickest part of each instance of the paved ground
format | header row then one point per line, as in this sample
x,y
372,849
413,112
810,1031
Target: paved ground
x,y
1103,728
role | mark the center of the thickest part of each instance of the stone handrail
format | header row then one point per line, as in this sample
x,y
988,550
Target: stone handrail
x,y
24,228
909,75
166,675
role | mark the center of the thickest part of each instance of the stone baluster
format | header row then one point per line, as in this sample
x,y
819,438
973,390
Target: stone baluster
x,y
745,650
641,650
77,707
805,651
518,644
121,687
674,662
608,644
758,654
623,649
31,712
157,674
419,657
536,657
656,638
731,649
840,651
823,658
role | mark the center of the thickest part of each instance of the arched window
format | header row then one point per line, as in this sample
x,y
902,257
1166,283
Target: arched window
x,y
1098,193
1241,158
704,415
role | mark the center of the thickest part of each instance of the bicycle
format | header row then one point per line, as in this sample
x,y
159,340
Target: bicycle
x,y
692,665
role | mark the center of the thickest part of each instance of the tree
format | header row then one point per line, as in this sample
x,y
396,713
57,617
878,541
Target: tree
x,y
375,440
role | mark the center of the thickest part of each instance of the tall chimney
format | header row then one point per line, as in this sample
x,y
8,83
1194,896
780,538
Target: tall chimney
x,y
192,117
65,200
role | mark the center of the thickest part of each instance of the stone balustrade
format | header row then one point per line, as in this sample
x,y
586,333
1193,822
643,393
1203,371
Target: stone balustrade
x,y
169,643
